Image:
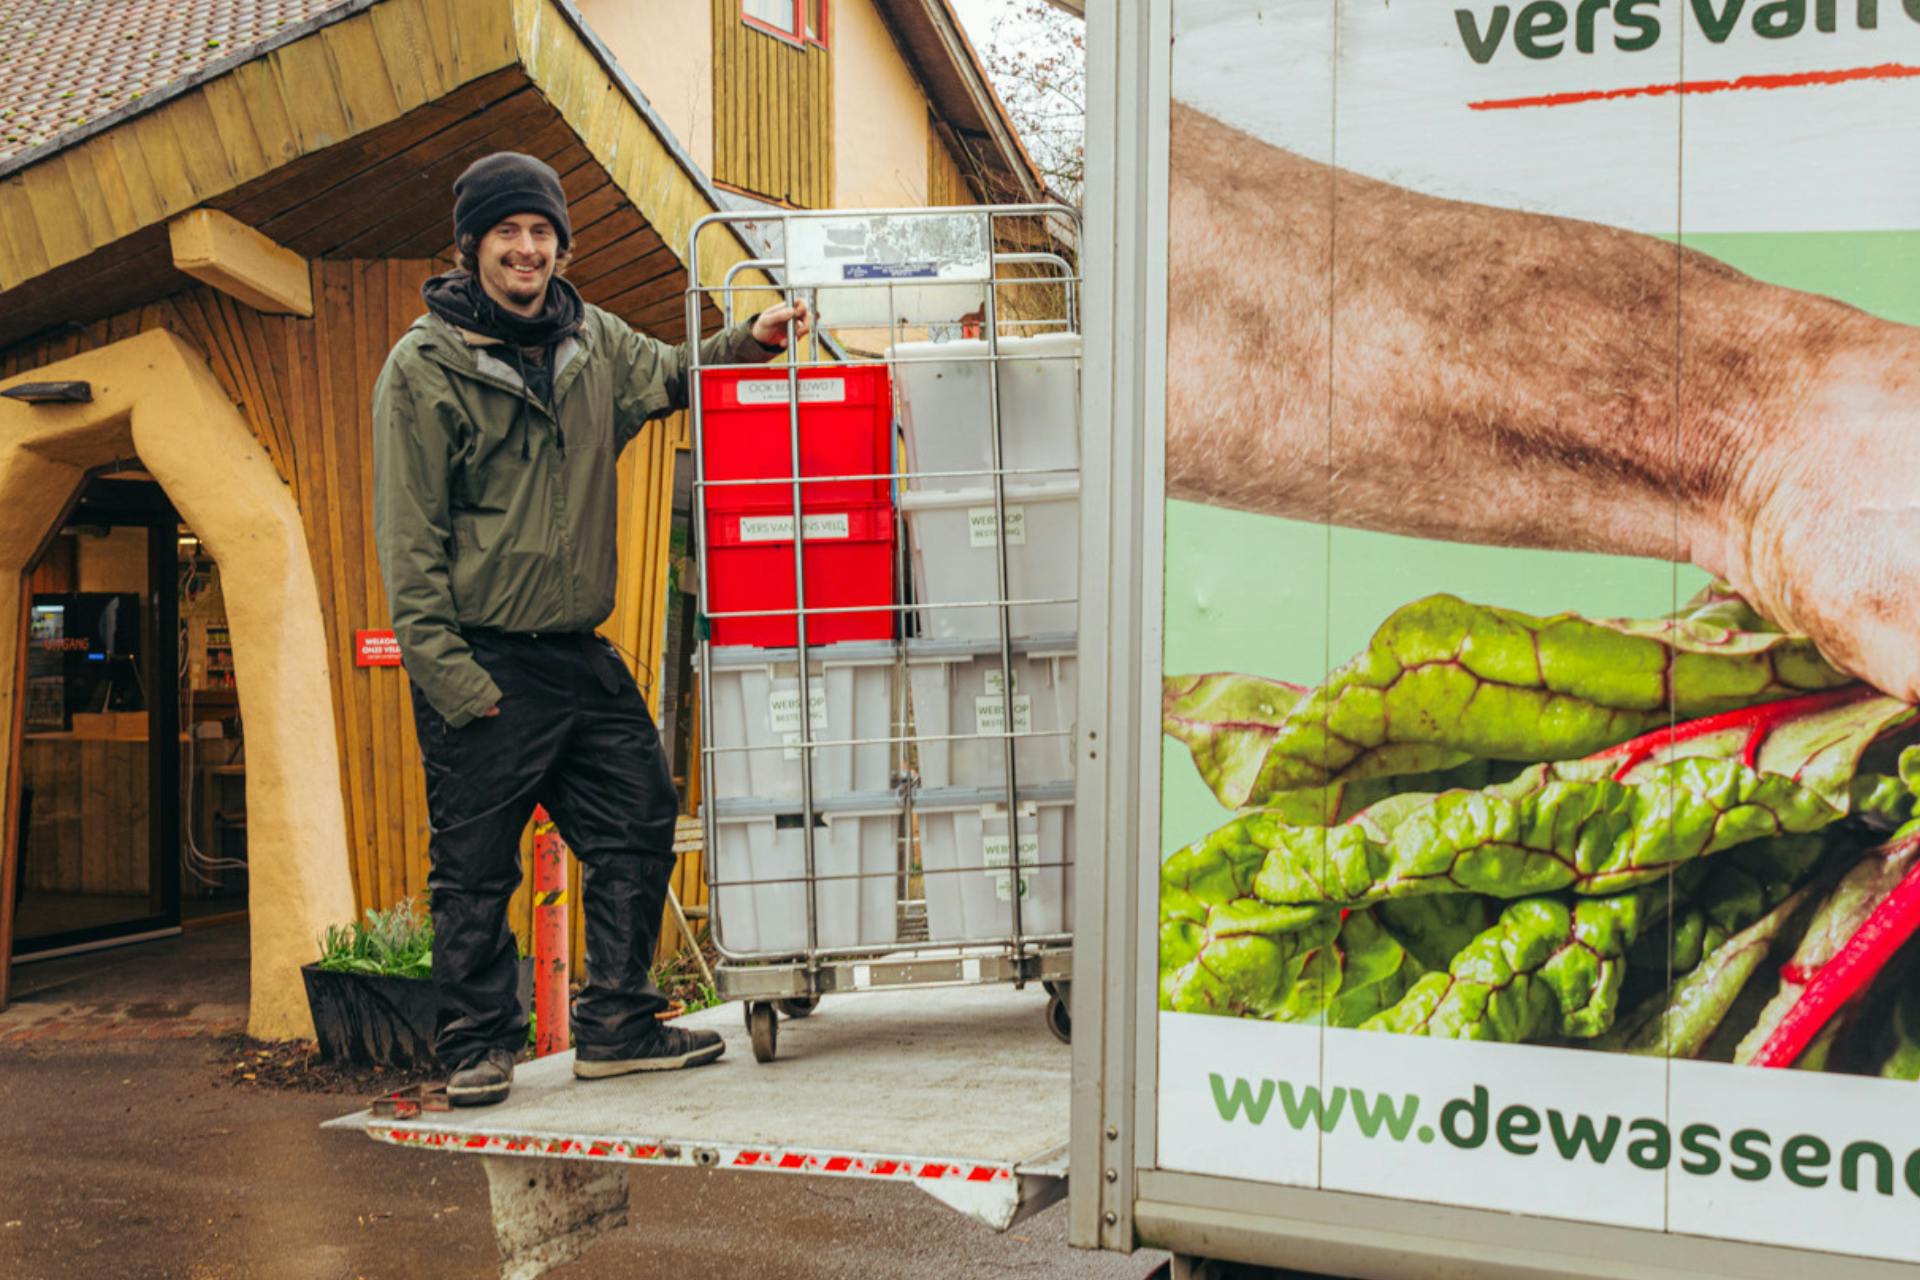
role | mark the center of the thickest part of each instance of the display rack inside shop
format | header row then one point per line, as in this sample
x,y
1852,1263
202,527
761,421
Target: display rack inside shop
x,y
888,587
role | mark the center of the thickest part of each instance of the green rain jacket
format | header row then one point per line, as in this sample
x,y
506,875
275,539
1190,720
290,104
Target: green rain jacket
x,y
490,511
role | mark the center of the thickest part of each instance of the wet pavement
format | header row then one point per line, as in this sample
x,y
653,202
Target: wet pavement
x,y
129,1156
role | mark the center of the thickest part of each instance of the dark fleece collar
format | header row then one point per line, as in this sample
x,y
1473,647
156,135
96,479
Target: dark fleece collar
x,y
457,298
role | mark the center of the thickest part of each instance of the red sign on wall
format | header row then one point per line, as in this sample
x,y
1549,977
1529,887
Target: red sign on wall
x,y
376,649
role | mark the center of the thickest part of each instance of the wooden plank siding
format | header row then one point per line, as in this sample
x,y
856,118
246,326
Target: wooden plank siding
x,y
305,388
946,182
772,113
344,145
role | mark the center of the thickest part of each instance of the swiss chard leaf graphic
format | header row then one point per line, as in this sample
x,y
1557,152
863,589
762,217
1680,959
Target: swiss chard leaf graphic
x,y
1443,680
1547,967
1596,826
1868,917
1679,1022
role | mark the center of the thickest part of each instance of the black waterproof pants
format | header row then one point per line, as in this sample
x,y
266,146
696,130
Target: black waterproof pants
x,y
573,734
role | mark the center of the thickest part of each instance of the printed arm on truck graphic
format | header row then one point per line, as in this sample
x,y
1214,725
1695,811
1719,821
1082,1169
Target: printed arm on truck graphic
x,y
1348,351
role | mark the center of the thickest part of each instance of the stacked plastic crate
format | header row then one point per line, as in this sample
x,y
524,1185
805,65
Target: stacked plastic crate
x,y
957,668
844,427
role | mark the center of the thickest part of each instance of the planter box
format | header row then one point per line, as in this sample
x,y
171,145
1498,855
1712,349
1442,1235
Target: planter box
x,y
378,1021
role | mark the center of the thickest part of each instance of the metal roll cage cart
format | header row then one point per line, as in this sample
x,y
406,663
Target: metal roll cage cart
x,y
851,262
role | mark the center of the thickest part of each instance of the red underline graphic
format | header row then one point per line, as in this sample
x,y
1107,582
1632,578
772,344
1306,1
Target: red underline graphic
x,y
1793,80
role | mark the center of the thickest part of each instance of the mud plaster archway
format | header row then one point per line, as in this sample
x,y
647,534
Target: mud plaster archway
x,y
154,398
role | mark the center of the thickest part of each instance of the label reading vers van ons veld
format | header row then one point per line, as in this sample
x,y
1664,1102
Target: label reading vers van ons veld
x,y
774,391
780,528
980,526
993,852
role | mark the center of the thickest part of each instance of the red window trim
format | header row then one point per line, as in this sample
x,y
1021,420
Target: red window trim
x,y
794,38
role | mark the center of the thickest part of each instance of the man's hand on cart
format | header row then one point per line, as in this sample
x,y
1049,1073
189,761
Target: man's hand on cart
x,y
770,326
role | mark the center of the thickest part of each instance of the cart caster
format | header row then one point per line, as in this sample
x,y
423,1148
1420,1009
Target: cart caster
x,y
1060,1011
763,1028
797,1006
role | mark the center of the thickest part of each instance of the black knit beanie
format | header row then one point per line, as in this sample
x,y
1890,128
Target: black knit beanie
x,y
496,187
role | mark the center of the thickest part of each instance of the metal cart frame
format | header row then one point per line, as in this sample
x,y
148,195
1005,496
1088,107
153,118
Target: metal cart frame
x,y
784,981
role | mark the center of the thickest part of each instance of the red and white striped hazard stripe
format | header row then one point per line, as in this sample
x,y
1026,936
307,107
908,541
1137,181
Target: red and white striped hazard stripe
x,y
707,1155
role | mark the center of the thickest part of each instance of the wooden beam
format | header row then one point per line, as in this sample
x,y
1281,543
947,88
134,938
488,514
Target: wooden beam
x,y
219,250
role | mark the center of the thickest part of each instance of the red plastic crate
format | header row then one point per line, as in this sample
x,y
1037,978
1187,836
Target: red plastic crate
x,y
849,558
846,428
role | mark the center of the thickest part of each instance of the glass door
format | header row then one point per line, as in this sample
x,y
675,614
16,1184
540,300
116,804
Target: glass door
x,y
98,801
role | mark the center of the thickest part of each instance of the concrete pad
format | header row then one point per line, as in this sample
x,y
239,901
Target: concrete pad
x,y
950,1074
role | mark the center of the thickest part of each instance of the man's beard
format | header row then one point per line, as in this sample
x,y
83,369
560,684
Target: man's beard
x,y
522,288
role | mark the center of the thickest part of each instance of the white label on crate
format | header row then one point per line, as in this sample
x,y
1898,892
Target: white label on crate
x,y
989,714
774,391
783,710
980,526
993,851
780,528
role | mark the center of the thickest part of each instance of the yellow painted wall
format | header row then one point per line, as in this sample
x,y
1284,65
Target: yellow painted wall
x,y
880,150
667,47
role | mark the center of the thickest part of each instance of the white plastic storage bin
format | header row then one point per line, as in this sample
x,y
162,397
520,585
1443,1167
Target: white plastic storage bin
x,y
755,700
954,688
965,856
955,553
759,863
945,407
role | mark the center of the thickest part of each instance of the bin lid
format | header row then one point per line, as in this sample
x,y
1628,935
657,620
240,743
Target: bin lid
x,y
848,653
1057,644
1019,492
956,798
1044,344
851,802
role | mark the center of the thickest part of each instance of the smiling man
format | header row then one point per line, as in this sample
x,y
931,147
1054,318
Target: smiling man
x,y
498,419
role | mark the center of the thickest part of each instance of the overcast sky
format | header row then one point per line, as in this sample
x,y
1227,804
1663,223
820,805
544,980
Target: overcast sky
x,y
978,15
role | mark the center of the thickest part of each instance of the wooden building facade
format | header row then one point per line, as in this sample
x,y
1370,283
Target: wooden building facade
x,y
317,163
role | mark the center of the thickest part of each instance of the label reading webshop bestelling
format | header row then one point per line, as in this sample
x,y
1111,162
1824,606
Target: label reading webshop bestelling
x,y
980,526
774,391
783,713
989,714
780,528
993,851
783,710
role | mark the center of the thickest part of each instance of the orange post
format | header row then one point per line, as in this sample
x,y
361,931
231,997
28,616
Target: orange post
x,y
550,961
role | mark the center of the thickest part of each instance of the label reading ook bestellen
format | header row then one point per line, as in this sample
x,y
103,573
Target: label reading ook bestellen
x,y
780,528
980,526
774,391
994,851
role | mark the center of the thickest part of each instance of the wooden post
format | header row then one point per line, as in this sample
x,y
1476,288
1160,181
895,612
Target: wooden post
x,y
550,960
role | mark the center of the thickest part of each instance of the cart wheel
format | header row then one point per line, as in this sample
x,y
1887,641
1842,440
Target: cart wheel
x,y
1060,1011
763,1028
797,1006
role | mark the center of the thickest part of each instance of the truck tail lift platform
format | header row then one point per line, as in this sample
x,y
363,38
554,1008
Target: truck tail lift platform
x,y
961,1091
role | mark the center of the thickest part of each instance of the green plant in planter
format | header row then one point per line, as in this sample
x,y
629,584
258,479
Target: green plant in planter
x,y
395,943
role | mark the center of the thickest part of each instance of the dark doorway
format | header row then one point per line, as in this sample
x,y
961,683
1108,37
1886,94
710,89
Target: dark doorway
x,y
98,805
